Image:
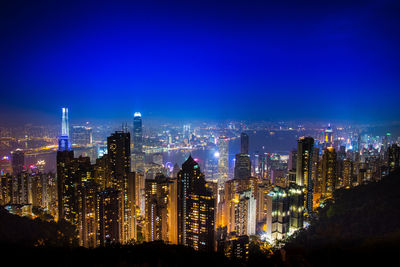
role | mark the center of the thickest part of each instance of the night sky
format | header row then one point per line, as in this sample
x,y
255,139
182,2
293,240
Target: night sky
x,y
264,60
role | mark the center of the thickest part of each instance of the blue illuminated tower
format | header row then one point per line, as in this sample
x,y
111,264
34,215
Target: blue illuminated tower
x,y
63,142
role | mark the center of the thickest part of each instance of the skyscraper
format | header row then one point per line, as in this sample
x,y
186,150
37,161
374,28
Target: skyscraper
x,y
316,174
278,220
296,206
223,159
65,172
328,136
329,175
232,190
305,146
122,179
196,208
242,160
63,141
242,166
23,193
89,214
72,173
292,162
159,202
137,133
137,151
110,203
245,213
348,173
17,161
244,143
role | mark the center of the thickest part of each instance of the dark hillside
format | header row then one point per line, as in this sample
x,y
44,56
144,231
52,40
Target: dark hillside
x,y
360,226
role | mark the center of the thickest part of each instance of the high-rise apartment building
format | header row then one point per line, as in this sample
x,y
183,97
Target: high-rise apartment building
x,y
348,173
233,189
17,161
110,203
89,217
244,143
245,213
278,222
296,206
329,172
242,166
122,179
305,146
242,160
196,208
160,215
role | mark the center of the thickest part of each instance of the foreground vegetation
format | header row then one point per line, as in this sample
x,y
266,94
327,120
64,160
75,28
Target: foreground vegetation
x,y
360,226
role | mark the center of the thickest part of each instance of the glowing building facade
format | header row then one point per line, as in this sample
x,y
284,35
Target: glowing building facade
x,y
279,221
329,172
122,179
393,157
305,147
110,203
160,215
245,213
237,194
196,208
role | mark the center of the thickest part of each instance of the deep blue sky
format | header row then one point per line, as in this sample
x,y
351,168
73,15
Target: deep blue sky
x,y
201,59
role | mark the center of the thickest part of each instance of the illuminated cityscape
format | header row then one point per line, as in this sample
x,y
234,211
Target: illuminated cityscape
x,y
238,134
110,202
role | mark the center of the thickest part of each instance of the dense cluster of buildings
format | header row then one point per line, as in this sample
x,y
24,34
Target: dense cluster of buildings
x,y
20,186
120,198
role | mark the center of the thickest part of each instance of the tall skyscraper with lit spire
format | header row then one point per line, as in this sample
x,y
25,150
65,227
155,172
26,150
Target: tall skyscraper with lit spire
x,y
64,143
137,133
137,151
65,171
